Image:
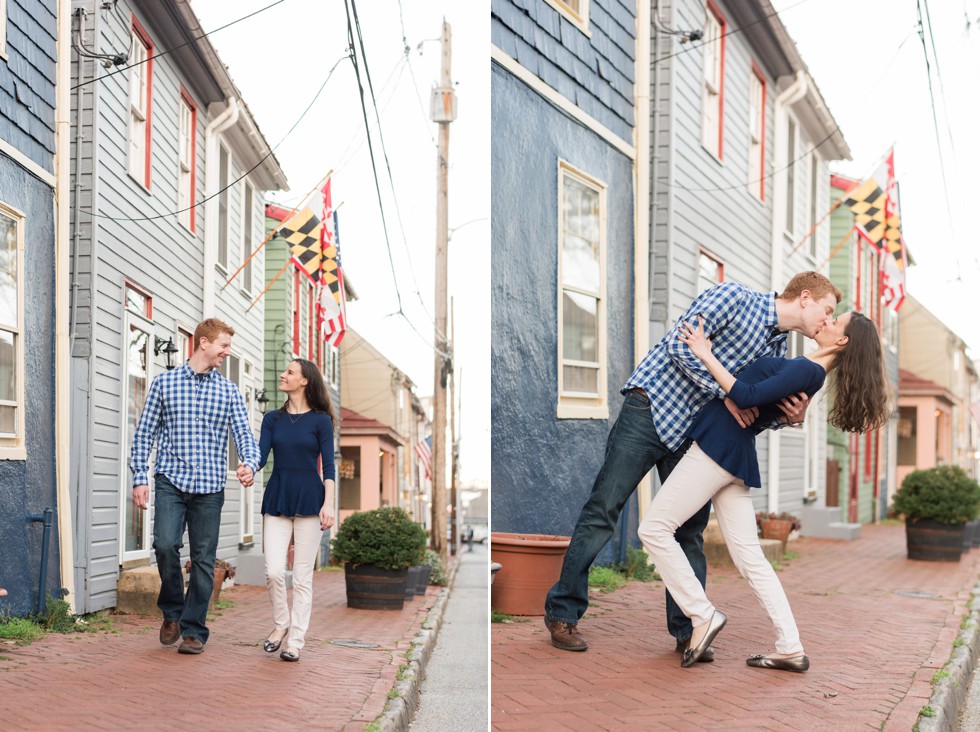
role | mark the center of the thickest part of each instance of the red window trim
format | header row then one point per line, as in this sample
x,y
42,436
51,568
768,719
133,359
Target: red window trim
x,y
128,284
762,132
190,342
185,95
297,303
145,37
714,258
721,83
867,456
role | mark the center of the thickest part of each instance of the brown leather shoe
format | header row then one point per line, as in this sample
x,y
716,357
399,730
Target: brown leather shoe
x,y
169,632
191,644
707,657
565,635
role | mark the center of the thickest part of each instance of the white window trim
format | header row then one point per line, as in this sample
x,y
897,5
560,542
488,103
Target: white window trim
x,y
15,447
790,196
3,30
713,94
756,183
247,238
816,204
224,191
184,217
246,510
139,142
571,406
579,19
125,477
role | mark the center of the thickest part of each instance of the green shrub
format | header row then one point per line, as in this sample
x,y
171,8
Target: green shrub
x,y
438,576
605,579
636,567
945,494
385,537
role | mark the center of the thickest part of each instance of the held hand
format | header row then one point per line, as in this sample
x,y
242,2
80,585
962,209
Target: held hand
x,y
794,407
245,476
744,417
141,496
695,339
326,518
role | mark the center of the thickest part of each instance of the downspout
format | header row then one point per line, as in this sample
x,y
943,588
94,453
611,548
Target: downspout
x,y
786,99
62,343
211,177
641,206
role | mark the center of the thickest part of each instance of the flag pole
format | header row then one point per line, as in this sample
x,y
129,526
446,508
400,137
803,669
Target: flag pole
x,y
835,249
271,283
840,200
273,233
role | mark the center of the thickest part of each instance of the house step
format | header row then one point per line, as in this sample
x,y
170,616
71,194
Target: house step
x,y
824,522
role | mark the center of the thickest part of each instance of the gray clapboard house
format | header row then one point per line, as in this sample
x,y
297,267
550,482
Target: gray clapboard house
x,y
740,142
34,138
169,172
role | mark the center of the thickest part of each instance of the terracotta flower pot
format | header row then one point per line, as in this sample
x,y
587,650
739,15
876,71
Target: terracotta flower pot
x,y
531,564
777,529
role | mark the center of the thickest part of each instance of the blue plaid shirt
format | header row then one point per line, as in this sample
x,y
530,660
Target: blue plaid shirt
x,y
742,326
191,414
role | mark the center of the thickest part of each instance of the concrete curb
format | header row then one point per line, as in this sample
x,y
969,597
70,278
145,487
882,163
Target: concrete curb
x,y
949,694
399,711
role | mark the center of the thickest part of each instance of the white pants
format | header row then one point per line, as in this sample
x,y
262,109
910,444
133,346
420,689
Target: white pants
x,y
696,480
305,532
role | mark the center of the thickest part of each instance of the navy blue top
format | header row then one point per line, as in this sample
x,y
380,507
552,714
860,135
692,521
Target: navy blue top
x,y
760,384
296,488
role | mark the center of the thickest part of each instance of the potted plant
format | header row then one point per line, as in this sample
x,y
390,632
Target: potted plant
x,y
223,569
376,548
777,526
937,503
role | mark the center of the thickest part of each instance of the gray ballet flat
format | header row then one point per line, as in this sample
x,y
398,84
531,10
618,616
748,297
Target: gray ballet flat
x,y
799,664
694,653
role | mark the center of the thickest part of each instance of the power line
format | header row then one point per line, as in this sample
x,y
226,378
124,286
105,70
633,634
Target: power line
x,y
175,48
241,177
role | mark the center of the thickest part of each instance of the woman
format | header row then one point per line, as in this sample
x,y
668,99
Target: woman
x,y
721,466
298,501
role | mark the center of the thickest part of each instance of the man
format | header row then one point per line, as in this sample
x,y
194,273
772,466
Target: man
x,y
188,411
663,395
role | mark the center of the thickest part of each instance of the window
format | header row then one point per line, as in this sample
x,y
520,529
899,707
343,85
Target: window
x,y
757,133
224,175
297,308
311,338
231,369
712,96
248,232
816,191
889,327
185,345
12,445
140,103
3,28
134,523
246,512
577,11
710,271
581,308
790,176
331,366
187,166
350,480
907,437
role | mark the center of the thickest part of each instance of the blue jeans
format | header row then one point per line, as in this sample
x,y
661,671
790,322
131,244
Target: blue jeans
x,y
632,450
201,513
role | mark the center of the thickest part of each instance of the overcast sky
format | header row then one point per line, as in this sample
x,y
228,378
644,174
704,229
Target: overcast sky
x,y
868,61
279,59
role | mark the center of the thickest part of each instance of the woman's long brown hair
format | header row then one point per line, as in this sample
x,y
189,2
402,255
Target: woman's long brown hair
x,y
860,388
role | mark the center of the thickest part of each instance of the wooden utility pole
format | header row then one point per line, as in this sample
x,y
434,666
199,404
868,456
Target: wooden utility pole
x,y
443,113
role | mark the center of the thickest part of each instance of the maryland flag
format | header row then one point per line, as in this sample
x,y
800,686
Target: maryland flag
x,y
877,220
868,202
311,235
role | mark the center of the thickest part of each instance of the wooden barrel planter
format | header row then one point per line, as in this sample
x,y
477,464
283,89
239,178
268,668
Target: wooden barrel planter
x,y
412,581
530,565
932,541
425,574
373,588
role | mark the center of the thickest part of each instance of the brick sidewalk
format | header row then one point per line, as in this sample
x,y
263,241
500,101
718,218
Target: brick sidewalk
x,y
875,625
127,680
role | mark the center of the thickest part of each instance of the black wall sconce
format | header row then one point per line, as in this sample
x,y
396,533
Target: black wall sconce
x,y
168,347
262,399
